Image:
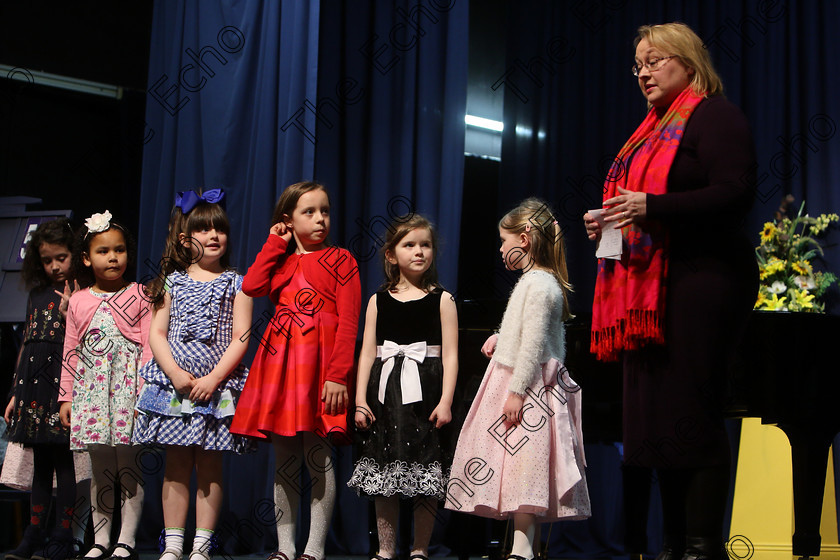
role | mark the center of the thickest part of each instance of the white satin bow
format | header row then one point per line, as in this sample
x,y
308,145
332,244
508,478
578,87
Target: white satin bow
x,y
413,354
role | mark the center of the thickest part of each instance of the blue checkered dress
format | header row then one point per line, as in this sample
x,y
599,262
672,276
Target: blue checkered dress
x,y
200,330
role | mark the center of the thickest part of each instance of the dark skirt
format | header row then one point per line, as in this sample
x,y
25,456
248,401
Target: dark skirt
x,y
35,419
402,453
674,395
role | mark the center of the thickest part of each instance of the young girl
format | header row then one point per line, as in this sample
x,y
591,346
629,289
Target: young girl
x,y
297,390
520,452
105,345
407,372
33,410
193,382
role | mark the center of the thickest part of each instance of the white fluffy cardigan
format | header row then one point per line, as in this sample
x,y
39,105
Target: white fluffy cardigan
x,y
532,329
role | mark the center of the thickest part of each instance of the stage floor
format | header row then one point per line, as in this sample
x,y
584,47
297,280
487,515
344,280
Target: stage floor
x,y
149,556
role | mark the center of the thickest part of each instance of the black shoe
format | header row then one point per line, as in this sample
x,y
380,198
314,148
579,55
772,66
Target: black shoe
x,y
132,554
704,548
106,553
33,539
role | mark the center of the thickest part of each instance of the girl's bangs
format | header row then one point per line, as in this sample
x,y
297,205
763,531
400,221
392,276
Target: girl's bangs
x,y
206,216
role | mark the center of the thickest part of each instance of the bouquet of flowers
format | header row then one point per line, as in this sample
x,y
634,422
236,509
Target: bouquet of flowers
x,y
788,280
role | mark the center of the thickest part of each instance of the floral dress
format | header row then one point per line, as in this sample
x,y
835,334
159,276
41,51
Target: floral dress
x,y
105,389
36,385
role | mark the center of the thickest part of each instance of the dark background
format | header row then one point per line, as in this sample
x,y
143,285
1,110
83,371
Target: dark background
x,y
778,60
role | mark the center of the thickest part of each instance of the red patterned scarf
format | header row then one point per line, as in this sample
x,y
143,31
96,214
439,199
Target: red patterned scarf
x,y
629,300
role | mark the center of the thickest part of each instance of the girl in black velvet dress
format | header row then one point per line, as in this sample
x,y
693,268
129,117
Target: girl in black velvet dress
x,y
407,371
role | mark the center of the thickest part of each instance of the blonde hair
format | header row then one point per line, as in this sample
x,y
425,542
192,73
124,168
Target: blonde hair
x,y
399,228
678,39
534,218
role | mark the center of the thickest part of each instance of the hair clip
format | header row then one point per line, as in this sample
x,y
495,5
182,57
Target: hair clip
x,y
98,223
187,200
555,222
527,227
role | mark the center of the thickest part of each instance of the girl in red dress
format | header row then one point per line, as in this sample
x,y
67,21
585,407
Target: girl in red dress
x,y
297,389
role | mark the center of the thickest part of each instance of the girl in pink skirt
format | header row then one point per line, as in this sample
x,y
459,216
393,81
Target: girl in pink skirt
x,y
520,452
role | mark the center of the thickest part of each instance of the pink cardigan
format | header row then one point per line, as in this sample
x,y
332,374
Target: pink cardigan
x,y
132,314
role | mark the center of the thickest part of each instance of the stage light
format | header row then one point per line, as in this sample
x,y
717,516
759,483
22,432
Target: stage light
x,y
58,81
488,124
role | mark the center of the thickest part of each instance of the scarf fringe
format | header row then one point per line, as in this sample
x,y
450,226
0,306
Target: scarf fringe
x,y
638,328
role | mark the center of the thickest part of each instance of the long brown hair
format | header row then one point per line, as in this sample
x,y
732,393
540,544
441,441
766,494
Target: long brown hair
x,y
55,232
177,255
288,200
399,228
534,218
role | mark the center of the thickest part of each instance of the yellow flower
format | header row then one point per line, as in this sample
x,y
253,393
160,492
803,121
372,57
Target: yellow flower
x,y
777,303
800,299
761,300
768,232
773,266
803,268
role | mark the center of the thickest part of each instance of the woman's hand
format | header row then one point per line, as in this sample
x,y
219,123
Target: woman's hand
x,y
627,208
593,228
441,415
65,296
513,409
10,408
203,389
281,230
183,382
363,417
334,397
64,414
489,345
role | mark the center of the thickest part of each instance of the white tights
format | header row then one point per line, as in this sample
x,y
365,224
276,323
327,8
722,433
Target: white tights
x,y
290,453
110,464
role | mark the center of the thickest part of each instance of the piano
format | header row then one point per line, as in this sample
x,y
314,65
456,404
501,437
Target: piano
x,y
789,377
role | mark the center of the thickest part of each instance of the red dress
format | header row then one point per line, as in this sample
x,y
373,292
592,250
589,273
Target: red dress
x,y
310,339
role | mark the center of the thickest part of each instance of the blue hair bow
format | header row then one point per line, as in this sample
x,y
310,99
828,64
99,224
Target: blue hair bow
x,y
186,200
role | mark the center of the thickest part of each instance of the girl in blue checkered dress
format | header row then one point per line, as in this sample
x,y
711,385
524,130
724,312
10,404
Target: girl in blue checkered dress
x,y
198,337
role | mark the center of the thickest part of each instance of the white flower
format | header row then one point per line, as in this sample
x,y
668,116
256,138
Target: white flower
x,y
777,287
804,282
98,222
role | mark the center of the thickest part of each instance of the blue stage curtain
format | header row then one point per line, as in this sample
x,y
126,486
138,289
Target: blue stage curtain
x,y
253,96
222,76
571,102
389,141
219,126
390,133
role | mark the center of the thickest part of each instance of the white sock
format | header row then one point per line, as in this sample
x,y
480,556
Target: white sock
x,y
201,543
173,538
523,535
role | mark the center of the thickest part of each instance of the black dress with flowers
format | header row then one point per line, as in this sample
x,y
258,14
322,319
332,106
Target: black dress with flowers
x,y
403,453
36,386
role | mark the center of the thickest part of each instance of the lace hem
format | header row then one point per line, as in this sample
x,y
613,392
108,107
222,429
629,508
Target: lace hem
x,y
398,477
